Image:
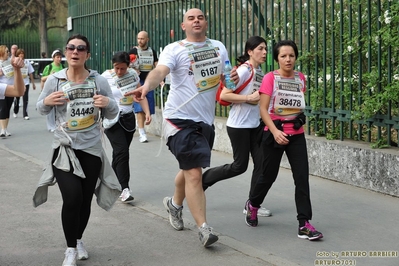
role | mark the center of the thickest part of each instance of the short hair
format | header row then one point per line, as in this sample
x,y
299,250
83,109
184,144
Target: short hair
x,y
20,51
80,37
277,46
121,57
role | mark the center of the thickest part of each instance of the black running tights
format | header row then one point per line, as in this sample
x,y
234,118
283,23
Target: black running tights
x,y
77,194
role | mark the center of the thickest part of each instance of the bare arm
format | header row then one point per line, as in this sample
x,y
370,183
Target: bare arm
x,y
32,80
151,82
18,89
230,96
156,76
278,135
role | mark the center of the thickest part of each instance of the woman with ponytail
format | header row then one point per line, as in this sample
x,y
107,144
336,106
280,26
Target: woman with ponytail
x,y
243,124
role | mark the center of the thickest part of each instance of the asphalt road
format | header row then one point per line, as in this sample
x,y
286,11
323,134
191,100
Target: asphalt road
x,y
355,222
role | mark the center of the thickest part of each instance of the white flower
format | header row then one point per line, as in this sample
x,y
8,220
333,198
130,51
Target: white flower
x,y
312,28
386,13
275,5
372,89
337,1
288,25
396,77
387,20
305,5
350,48
367,55
377,39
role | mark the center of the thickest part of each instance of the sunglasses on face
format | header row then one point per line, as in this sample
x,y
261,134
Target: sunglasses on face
x,y
80,48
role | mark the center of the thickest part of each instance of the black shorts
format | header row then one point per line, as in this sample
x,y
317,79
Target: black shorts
x,y
193,143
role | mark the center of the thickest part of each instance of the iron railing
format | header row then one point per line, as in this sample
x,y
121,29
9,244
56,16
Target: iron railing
x,y
348,50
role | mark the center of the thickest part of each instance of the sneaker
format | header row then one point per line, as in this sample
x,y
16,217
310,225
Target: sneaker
x,y
309,232
126,196
26,117
263,212
206,236
15,115
175,215
3,134
251,218
8,134
143,138
70,257
82,252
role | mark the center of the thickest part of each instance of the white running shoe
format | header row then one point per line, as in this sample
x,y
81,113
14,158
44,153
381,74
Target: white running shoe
x,y
26,117
126,196
263,212
70,257
143,138
82,252
15,115
8,134
206,235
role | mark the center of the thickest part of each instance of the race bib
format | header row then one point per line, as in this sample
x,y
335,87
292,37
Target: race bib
x,y
8,69
81,113
289,97
146,59
258,80
24,71
206,65
126,83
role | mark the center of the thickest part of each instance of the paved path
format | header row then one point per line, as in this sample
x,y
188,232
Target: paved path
x,y
354,221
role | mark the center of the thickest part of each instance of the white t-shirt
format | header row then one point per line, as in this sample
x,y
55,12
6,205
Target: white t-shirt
x,y
30,71
184,101
116,92
244,115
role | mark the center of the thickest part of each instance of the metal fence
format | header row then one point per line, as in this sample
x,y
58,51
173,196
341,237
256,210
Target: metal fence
x,y
348,50
29,40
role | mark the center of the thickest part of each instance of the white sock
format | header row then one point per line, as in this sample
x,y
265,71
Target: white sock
x,y
141,131
204,225
176,205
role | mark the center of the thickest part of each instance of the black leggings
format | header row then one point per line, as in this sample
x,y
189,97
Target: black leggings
x,y
25,99
5,107
245,142
77,194
297,155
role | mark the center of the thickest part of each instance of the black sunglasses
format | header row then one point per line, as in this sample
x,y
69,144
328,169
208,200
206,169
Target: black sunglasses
x,y
80,48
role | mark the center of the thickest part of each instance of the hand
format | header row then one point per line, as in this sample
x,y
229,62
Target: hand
x,y
100,101
55,98
148,119
253,98
17,62
234,76
280,137
139,93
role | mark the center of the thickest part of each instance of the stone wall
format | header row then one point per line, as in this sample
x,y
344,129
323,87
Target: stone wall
x,y
349,162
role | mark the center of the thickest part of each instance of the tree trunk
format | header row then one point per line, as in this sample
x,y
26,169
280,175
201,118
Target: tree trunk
x,y
43,26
